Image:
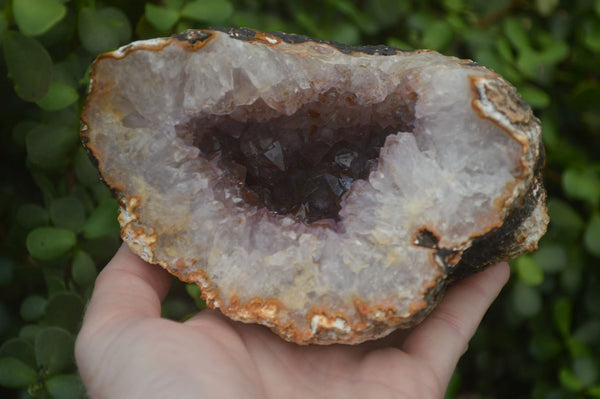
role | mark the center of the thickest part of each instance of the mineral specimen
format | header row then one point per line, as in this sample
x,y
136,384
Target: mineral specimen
x,y
328,192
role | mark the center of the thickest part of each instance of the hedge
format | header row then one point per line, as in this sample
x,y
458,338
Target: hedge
x,y
541,339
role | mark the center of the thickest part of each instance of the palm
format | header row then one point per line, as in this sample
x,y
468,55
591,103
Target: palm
x,y
126,350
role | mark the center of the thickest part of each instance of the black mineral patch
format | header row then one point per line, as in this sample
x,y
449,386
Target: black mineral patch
x,y
426,238
498,244
192,36
249,35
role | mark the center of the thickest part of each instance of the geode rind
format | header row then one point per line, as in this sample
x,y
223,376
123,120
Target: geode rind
x,y
328,192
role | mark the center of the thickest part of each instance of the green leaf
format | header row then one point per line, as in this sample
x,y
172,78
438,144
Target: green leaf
x,y
536,98
55,281
529,63
569,380
67,213
65,310
214,11
401,44
32,215
576,348
546,7
591,237
581,185
562,215
586,95
529,271
586,370
5,318
545,346
54,350
47,243
70,70
594,391
29,331
16,374
454,5
103,30
100,192
85,197
102,249
563,314
48,146
551,135
103,220
551,258
589,332
554,52
20,349
3,26
437,35
34,17
84,269
526,300
571,278
28,64
345,33
160,17
307,23
173,4
6,271
59,96
177,309
66,386
362,20
33,307
85,171
21,130
118,22
516,34
45,185
454,385
194,291
592,34
95,35
488,57
503,47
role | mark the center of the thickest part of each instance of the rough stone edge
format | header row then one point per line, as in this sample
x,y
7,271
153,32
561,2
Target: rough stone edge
x,y
326,327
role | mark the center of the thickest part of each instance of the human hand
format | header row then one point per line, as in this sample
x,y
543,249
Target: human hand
x,y
126,350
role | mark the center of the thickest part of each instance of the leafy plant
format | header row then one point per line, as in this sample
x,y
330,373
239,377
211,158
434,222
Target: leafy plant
x,y
541,339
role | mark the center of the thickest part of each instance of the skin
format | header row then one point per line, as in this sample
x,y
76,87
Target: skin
x,y
126,350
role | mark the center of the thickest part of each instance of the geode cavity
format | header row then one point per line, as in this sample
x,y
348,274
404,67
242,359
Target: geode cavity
x,y
328,192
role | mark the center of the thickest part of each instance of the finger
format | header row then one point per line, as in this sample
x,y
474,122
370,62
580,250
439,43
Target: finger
x,y
444,335
128,287
394,340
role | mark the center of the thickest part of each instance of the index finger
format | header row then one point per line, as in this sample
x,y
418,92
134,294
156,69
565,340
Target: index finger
x,y
128,287
443,337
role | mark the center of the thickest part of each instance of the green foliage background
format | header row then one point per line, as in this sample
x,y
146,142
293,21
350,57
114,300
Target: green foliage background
x,y
541,339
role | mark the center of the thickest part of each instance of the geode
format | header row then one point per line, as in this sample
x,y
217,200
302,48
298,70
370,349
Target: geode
x,y
328,192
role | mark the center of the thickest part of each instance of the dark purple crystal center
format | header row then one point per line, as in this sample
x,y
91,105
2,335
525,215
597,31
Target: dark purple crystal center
x,y
300,164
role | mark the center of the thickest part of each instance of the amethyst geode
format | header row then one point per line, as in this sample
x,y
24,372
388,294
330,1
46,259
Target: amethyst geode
x,y
328,192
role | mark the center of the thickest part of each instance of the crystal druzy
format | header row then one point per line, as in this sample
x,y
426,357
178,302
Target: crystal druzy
x,y
326,191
